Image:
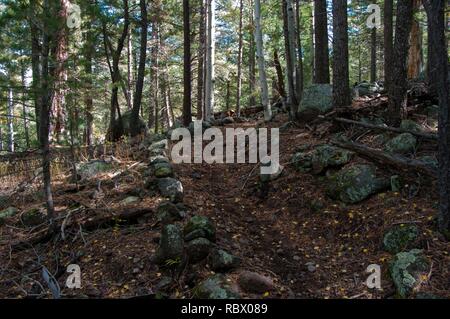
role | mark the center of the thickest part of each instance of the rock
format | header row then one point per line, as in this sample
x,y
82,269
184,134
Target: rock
x,y
402,144
355,183
198,249
321,158
228,120
406,269
409,125
171,245
126,124
310,266
222,261
158,159
200,226
399,238
4,200
171,188
317,97
130,200
168,212
163,170
92,168
365,89
396,183
255,283
159,148
215,287
7,213
33,217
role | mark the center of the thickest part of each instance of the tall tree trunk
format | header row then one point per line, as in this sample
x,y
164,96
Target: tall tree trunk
x,y
341,87
280,78
239,75
47,92
210,61
153,120
322,62
373,55
167,107
137,101
300,75
388,41
252,58
187,76
291,55
10,121
130,71
398,85
35,62
116,131
58,116
313,45
89,50
201,62
1,139
261,63
415,58
436,16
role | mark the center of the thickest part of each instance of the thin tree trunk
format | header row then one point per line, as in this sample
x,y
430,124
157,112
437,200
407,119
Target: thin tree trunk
x,y
341,87
201,62
24,107
187,75
373,55
252,59
130,71
10,121
35,62
261,63
398,85
321,55
239,75
415,58
210,61
280,78
135,128
300,75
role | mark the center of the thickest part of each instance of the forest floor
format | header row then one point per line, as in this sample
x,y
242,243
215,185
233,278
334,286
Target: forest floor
x,y
279,232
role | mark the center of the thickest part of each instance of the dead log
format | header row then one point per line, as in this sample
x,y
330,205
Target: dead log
x,y
400,162
428,136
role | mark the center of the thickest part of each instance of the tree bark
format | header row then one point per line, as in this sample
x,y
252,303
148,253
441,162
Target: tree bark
x,y
373,55
239,75
187,76
35,62
388,41
201,62
137,101
210,61
436,15
153,120
24,107
252,59
398,85
321,56
341,86
280,78
130,78
300,75
261,63
415,58
10,121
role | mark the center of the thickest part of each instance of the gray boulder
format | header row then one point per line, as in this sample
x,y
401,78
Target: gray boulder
x,y
221,261
317,97
163,170
409,125
355,183
198,249
399,238
255,283
171,188
92,168
321,158
402,144
168,212
126,124
7,213
215,287
171,245
33,217
406,270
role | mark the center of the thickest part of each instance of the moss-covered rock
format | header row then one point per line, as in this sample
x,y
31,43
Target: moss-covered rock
x,y
130,200
317,97
7,213
163,170
220,260
171,245
198,249
321,158
92,168
200,226
355,183
168,212
406,270
215,287
402,144
158,159
399,238
302,161
126,124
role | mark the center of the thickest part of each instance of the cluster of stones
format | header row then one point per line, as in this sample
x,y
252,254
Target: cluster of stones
x,y
30,218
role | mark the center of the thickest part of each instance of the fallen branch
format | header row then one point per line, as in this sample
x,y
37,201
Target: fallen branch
x,y
428,136
397,161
